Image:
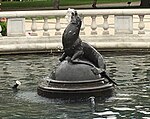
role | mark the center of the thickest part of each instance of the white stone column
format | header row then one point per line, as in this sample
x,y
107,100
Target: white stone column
x,y
93,25
58,26
33,27
16,27
82,26
123,24
141,25
105,25
46,27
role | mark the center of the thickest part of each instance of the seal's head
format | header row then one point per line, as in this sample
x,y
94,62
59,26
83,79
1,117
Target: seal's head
x,y
75,19
71,33
69,14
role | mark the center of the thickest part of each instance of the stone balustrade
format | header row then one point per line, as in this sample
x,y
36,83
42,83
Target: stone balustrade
x,y
95,15
121,27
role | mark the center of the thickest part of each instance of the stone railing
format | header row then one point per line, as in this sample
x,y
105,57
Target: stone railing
x,y
98,18
104,28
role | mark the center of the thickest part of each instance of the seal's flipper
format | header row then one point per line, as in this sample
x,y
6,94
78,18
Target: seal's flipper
x,y
96,70
103,74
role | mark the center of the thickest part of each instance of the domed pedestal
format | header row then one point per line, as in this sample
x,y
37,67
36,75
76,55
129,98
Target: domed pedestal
x,y
74,81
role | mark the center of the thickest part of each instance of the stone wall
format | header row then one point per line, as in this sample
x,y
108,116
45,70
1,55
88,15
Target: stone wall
x,y
41,31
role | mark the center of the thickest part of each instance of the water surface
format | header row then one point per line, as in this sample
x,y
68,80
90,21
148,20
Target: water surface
x,y
131,99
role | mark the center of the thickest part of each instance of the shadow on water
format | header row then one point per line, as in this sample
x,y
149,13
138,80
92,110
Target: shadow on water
x,y
131,99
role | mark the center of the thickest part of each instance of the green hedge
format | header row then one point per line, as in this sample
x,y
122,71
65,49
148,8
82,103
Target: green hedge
x,y
48,3
4,28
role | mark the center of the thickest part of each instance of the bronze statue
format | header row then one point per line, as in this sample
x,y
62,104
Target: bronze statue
x,y
81,72
74,48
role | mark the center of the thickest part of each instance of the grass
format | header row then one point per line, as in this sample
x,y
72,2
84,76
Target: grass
x,y
48,3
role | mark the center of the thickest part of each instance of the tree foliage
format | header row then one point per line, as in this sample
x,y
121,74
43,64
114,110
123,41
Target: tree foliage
x,y
145,3
56,4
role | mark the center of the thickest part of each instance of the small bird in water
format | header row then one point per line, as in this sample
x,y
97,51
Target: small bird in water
x,y
18,83
92,103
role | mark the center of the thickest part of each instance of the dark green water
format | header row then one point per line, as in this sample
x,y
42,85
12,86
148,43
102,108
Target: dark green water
x,y
131,99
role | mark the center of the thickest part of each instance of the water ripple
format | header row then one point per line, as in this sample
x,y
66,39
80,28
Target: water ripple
x,y
131,98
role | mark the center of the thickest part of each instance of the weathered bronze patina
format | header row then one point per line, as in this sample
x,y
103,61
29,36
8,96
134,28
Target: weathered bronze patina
x,y
81,72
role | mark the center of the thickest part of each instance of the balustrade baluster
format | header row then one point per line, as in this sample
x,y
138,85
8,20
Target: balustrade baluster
x,y
58,26
93,25
33,27
141,25
46,27
105,25
82,26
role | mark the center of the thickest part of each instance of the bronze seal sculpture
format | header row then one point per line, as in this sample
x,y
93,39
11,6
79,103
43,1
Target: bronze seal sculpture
x,y
81,72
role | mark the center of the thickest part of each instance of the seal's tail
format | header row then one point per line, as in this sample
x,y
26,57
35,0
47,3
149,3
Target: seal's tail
x,y
104,75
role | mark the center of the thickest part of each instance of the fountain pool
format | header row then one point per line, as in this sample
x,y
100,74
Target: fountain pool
x,y
131,99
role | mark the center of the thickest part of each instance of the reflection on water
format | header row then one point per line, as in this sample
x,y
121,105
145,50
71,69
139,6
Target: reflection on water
x,y
132,99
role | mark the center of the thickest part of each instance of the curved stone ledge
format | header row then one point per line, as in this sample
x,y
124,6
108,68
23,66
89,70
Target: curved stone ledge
x,y
10,45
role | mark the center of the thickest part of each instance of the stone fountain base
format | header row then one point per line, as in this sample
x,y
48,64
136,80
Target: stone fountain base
x,y
74,81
